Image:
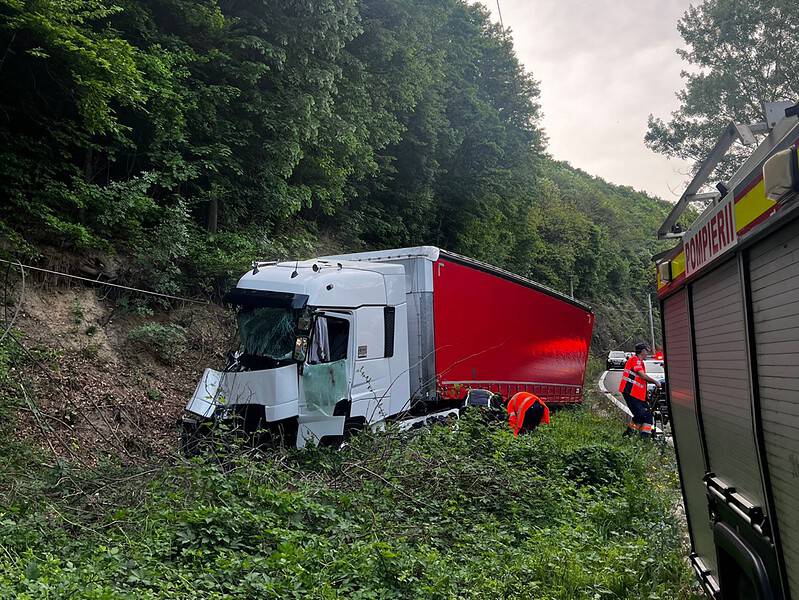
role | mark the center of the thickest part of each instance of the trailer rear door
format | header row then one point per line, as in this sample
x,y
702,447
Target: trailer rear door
x,y
685,421
774,276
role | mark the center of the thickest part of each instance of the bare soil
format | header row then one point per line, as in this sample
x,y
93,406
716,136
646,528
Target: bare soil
x,y
88,392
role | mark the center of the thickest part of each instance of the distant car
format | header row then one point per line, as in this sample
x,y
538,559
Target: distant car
x,y
616,359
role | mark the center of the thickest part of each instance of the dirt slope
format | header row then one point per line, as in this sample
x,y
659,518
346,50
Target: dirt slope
x,y
90,388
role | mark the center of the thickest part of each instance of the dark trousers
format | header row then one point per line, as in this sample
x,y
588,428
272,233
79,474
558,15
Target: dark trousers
x,y
642,420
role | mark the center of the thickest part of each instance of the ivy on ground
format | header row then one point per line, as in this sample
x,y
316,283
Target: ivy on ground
x,y
466,511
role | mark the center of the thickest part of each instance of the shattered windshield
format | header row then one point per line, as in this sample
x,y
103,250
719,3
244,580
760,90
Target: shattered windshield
x,y
267,332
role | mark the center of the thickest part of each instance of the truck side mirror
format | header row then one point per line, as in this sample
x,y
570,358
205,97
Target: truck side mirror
x,y
300,349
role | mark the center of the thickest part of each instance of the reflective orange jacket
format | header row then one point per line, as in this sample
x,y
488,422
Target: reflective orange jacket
x,y
518,406
631,382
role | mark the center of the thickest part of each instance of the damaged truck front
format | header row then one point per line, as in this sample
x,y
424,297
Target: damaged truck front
x,y
312,357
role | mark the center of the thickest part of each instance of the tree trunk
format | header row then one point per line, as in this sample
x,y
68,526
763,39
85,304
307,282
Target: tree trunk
x,y
213,215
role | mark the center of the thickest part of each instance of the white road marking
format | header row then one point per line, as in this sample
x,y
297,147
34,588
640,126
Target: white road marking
x,y
622,407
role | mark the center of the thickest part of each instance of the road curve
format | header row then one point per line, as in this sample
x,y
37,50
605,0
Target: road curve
x,y
609,384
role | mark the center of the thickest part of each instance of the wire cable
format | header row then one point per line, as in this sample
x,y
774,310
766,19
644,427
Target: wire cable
x,y
19,304
106,283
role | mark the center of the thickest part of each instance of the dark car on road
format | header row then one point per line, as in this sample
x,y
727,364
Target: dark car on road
x,y
616,359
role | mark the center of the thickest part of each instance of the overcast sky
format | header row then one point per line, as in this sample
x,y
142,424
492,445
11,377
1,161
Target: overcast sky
x,y
603,67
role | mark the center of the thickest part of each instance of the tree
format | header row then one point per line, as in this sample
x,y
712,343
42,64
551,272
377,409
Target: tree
x,y
66,75
741,52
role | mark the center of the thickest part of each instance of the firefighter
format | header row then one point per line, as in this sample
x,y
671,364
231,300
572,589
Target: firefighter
x,y
525,412
633,389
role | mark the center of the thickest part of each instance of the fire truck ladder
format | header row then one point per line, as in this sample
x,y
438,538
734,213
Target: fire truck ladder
x,y
774,112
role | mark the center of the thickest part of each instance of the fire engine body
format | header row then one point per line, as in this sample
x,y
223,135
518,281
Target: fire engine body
x,y
359,339
729,297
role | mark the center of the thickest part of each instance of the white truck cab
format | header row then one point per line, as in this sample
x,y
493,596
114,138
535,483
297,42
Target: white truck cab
x,y
322,345
328,346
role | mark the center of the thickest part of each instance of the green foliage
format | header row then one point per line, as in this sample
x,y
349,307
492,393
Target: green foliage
x,y
166,342
470,512
742,53
192,137
90,351
78,312
217,260
9,357
595,465
16,458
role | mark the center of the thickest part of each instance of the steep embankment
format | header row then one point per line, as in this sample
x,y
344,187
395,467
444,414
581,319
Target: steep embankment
x,y
91,378
573,511
96,502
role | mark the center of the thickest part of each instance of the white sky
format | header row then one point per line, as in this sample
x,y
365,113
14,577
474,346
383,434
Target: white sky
x,y
603,67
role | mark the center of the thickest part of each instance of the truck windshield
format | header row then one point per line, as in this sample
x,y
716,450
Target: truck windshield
x,y
267,332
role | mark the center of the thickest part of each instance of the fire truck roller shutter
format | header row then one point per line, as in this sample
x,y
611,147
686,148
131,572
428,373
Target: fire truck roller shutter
x,y
774,272
686,427
723,369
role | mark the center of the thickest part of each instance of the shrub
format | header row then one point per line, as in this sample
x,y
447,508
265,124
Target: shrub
x,y
448,512
595,465
166,342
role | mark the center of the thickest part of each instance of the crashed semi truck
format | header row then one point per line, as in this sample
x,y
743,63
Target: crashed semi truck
x,y
331,345
729,299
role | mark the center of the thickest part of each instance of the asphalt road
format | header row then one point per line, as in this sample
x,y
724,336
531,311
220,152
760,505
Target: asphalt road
x,y
609,384
612,381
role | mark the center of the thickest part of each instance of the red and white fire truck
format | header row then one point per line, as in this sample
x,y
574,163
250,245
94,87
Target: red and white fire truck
x,y
729,297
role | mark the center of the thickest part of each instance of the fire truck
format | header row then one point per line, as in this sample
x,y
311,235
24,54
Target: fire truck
x,y
729,299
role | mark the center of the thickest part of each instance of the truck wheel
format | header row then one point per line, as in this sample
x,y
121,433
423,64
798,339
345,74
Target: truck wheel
x,y
331,441
192,434
353,426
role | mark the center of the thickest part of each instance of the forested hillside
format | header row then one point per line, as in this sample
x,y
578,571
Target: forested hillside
x,y
166,143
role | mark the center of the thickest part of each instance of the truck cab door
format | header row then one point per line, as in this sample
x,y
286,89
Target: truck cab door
x,y
326,378
372,377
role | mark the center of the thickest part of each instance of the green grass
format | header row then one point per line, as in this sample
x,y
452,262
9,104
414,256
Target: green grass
x,y
572,511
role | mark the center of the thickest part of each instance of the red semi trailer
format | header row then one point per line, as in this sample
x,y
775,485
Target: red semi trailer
x,y
504,333
335,343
